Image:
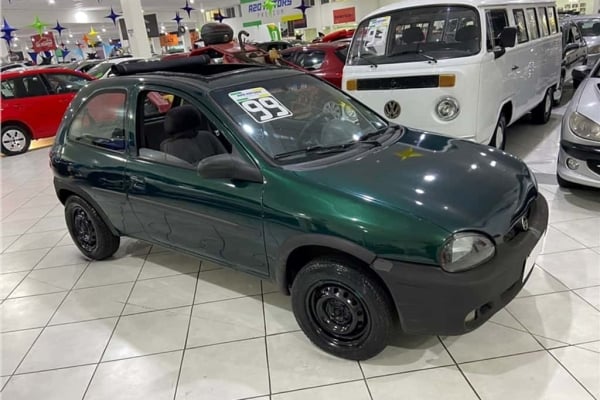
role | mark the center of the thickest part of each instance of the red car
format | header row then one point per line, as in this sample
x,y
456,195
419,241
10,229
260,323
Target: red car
x,y
33,103
325,60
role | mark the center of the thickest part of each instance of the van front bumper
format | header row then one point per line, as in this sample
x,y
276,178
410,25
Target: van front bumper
x,y
432,301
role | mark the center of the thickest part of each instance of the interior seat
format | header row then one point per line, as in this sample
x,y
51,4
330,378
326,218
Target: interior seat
x,y
468,36
413,35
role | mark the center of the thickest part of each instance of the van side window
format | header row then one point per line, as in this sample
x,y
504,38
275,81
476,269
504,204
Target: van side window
x,y
552,19
534,31
522,35
543,20
497,20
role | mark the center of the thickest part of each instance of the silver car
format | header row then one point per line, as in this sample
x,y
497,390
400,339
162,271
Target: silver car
x,y
579,154
590,28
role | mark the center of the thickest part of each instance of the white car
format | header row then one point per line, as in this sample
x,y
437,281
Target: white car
x,y
103,70
579,154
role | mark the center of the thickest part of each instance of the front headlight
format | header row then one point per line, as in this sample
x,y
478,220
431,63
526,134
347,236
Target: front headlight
x,y
584,127
465,251
447,108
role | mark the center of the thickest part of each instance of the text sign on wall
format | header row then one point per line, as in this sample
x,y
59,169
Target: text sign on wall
x,y
44,42
344,15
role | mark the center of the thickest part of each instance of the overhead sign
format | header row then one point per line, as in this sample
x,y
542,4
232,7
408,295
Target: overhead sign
x,y
43,42
344,15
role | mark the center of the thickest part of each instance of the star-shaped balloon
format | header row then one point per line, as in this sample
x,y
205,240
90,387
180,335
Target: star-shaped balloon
x,y
59,28
270,5
219,17
92,33
303,7
188,9
38,25
8,38
33,55
177,18
86,39
6,28
113,15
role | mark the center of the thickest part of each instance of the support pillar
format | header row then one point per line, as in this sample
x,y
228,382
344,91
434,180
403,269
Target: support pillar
x,y
136,28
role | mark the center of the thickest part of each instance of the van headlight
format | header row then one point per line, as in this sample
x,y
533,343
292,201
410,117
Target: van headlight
x,y
466,250
447,109
584,127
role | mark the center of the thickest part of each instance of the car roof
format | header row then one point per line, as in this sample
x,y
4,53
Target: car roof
x,y
320,46
38,70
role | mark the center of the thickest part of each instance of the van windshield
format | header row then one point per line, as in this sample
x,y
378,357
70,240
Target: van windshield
x,y
417,34
589,27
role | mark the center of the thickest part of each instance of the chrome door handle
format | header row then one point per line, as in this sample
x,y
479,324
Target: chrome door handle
x,y
137,183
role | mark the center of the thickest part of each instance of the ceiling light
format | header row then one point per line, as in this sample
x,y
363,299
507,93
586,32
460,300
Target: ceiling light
x,y
51,1
103,29
202,10
81,17
191,1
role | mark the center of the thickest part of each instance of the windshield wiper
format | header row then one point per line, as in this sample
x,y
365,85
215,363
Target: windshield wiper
x,y
367,138
337,148
362,57
417,52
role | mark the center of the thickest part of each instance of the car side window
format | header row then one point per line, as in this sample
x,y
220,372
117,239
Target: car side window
x,y
497,20
534,32
8,89
543,21
552,19
522,35
101,121
27,86
576,35
65,83
311,60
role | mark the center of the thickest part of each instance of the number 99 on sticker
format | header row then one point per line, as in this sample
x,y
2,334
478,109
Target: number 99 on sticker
x,y
261,105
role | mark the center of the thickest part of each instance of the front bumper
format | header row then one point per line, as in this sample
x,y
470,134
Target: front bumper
x,y
588,158
434,302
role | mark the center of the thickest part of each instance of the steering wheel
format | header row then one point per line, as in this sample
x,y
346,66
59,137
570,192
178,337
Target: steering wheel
x,y
306,132
334,109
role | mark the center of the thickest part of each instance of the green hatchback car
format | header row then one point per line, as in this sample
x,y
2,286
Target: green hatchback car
x,y
373,228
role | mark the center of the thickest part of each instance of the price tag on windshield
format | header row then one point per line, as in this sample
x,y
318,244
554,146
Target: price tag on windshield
x,y
261,105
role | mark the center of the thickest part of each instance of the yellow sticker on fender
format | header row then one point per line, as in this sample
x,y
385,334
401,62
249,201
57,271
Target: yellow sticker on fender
x,y
261,105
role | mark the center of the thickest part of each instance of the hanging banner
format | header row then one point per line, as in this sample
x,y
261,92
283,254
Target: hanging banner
x,y
43,42
169,40
344,15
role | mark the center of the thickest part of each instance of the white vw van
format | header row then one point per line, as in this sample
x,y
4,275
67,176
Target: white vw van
x,y
465,68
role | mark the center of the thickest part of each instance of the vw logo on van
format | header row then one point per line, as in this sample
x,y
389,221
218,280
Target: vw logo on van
x,y
392,109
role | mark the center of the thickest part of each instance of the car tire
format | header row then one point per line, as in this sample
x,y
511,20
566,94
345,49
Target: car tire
x,y
557,94
342,308
499,137
87,229
541,113
15,140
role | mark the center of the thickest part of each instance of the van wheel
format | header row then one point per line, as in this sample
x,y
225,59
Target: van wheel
x,y
499,138
87,229
541,113
15,140
342,309
557,94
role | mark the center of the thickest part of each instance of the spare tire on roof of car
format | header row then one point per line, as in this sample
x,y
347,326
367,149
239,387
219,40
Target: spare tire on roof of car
x,y
216,33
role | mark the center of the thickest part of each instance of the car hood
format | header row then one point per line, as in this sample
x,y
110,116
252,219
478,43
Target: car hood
x,y
589,100
455,184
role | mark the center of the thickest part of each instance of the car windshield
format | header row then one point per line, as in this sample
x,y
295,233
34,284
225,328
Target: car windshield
x,y
287,118
589,27
99,70
417,34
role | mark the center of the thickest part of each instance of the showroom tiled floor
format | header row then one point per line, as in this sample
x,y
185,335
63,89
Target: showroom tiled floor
x,y
151,324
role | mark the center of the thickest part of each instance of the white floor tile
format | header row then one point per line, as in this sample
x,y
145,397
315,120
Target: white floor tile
x,y
28,312
165,264
64,255
593,346
210,266
49,224
556,241
42,200
111,271
161,293
433,384
583,364
559,316
93,303
7,241
60,384
225,371
576,269
148,333
12,228
586,231
42,281
57,211
10,281
278,314
269,287
20,261
534,376
31,241
13,347
541,282
223,284
591,295
226,321
149,378
131,247
4,380
295,363
29,213
346,391
408,353
503,318
68,345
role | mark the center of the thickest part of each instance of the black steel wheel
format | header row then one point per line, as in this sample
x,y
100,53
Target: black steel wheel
x,y
87,229
342,308
541,113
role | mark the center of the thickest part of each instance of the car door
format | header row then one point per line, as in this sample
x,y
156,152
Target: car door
x,y
32,105
62,88
217,219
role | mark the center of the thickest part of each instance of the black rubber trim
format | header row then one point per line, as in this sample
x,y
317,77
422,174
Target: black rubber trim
x,y
581,151
399,82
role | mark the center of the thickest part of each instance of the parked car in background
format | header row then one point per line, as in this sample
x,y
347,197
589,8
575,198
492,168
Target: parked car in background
x,y
252,167
33,103
341,34
325,60
574,55
277,45
590,29
579,154
103,69
7,67
84,65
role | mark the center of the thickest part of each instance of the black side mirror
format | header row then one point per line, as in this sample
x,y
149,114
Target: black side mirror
x,y
571,47
508,37
581,72
499,51
226,166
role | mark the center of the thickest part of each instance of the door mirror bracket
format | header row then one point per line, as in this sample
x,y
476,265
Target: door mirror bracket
x,y
226,166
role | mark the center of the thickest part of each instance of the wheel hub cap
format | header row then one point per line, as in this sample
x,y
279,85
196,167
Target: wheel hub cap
x,y
84,230
14,140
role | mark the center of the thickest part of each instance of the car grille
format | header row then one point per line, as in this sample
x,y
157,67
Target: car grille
x,y
594,166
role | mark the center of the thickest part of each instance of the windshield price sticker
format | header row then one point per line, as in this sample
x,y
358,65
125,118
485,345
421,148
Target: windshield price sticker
x,y
261,105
